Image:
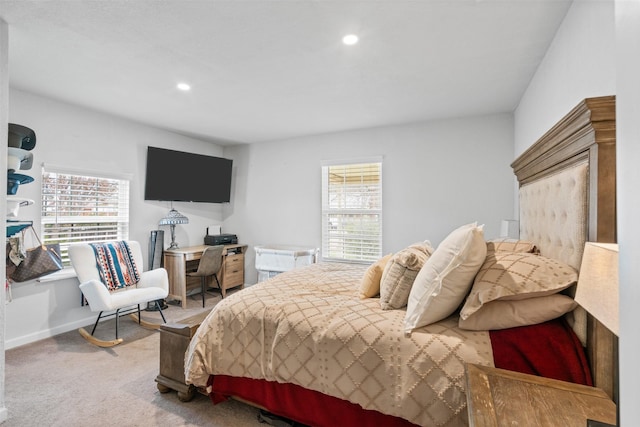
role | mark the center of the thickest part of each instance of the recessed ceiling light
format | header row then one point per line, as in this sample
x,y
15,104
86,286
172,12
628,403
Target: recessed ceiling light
x,y
183,86
350,39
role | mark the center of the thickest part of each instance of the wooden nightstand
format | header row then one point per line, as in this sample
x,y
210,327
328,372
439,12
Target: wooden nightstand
x,y
174,340
497,397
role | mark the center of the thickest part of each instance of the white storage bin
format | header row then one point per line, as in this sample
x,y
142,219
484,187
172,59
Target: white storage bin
x,y
266,275
274,259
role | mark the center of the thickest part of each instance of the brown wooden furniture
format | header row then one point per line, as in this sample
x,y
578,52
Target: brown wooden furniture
x,y
587,134
497,397
174,340
179,261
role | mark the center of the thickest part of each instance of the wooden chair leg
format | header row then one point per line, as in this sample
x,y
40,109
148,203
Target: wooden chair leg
x,y
95,341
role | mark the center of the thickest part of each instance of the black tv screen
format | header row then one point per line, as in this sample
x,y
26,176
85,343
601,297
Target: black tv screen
x,y
187,177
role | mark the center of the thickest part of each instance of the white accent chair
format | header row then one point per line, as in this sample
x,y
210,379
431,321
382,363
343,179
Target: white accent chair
x,y
153,286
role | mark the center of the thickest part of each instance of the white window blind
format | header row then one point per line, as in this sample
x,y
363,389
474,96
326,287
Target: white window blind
x,y
79,207
352,212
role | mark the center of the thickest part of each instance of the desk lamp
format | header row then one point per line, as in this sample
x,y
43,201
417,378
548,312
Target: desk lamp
x,y
173,217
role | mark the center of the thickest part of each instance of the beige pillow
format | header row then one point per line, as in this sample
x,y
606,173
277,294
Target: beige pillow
x,y
504,314
399,274
517,276
510,245
370,284
445,279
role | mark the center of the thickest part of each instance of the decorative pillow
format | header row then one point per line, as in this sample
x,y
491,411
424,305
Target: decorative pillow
x,y
517,276
115,264
370,284
503,314
399,274
446,277
511,245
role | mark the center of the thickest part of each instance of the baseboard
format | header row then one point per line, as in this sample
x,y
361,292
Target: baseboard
x,y
47,333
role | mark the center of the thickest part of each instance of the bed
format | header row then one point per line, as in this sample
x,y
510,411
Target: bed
x,y
308,346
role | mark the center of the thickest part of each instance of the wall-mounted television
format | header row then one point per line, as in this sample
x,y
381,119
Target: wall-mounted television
x,y
187,177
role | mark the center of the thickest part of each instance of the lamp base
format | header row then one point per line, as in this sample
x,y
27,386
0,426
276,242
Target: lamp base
x,y
173,244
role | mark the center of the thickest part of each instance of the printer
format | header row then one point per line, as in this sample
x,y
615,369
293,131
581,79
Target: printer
x,y
220,239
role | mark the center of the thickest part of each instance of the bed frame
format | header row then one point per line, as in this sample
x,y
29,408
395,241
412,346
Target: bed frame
x,y
579,152
583,142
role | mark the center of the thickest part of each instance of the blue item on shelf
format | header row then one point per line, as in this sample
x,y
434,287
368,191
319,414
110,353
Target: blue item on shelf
x,y
14,227
14,180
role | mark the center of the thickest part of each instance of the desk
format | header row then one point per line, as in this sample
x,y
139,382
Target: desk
x,y
179,261
497,397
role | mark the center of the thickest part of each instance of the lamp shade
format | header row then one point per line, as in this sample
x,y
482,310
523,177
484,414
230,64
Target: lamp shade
x,y
597,290
174,217
510,228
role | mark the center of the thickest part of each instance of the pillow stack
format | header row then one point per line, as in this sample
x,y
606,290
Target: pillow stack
x,y
517,289
506,282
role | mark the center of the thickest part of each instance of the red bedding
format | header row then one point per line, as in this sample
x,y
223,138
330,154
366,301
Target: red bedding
x,y
550,349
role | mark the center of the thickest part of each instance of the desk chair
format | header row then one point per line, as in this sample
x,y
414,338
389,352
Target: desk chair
x,y
210,264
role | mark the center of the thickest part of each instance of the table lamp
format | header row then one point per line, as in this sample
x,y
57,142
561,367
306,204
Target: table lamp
x,y
597,290
510,228
173,217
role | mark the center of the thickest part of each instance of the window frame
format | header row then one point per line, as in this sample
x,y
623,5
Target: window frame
x,y
49,216
360,252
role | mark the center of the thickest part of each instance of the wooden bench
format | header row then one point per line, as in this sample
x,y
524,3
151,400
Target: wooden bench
x,y
174,340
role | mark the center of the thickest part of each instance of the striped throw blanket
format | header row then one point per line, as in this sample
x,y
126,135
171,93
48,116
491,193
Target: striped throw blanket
x,y
116,264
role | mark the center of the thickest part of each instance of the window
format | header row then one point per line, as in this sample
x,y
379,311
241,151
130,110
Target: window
x,y
352,211
79,207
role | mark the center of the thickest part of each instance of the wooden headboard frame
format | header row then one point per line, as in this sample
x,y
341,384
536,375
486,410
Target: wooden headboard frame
x,y
587,135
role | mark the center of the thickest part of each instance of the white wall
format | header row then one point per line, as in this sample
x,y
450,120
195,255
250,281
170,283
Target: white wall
x,y
628,156
579,64
4,114
72,136
436,176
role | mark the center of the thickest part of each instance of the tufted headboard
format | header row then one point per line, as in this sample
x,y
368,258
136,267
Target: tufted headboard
x,y
567,197
553,214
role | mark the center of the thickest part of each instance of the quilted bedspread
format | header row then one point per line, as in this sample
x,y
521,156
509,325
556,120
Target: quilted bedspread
x,y
309,327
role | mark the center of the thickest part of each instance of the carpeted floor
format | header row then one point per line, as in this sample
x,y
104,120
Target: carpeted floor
x,y
65,381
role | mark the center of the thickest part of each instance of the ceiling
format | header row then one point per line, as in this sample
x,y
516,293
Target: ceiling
x,y
263,70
